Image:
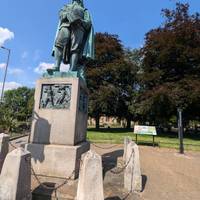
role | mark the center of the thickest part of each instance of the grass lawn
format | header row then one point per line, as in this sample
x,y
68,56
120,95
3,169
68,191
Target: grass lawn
x,y
116,136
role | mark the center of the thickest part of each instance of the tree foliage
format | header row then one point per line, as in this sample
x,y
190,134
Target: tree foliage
x,y
171,67
17,107
146,85
110,78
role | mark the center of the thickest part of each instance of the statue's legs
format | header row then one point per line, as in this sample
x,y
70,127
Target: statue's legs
x,y
74,61
62,41
58,58
77,37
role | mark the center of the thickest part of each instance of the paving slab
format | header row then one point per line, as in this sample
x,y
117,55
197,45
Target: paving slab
x,y
166,175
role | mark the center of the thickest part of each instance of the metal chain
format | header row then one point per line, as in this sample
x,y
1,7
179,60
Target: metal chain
x,y
12,145
49,187
70,177
120,170
124,198
43,185
100,147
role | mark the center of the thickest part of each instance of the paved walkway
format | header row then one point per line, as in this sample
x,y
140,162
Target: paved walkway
x,y
166,174
18,142
170,176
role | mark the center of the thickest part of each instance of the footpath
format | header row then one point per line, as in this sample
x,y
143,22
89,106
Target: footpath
x,y
166,174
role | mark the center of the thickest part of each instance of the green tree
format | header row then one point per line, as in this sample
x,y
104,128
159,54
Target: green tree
x,y
110,79
100,77
171,67
127,84
17,107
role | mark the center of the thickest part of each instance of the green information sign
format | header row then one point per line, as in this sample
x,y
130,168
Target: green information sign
x,y
145,130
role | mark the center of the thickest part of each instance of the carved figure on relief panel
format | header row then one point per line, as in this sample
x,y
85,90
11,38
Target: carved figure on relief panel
x,y
64,96
47,99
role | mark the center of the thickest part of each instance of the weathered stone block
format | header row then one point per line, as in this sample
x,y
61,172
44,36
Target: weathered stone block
x,y
90,184
57,160
132,175
127,140
15,178
59,126
4,147
60,112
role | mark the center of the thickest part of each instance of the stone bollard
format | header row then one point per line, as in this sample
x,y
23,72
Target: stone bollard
x,y
127,140
15,178
4,147
90,184
132,175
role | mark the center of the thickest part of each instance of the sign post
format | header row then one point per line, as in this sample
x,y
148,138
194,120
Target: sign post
x,y
145,130
180,131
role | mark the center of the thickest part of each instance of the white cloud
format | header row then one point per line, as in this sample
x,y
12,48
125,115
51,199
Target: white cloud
x,y
15,71
12,71
10,85
33,83
43,66
5,35
24,55
2,65
64,68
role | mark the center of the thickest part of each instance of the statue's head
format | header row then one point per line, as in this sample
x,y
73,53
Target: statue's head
x,y
80,2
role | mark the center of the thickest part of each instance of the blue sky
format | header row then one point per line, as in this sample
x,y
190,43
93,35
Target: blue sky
x,y
31,25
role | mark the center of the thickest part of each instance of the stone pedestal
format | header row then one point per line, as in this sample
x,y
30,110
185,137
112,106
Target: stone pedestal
x,y
127,141
59,126
4,147
90,184
15,178
132,174
59,161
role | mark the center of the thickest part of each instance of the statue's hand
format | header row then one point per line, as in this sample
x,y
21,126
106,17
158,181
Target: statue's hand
x,y
76,22
63,15
86,25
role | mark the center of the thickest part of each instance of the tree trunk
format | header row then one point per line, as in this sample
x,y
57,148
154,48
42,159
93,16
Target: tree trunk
x,y
97,121
195,128
169,129
128,126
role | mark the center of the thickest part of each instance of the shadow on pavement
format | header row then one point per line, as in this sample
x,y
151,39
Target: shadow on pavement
x,y
110,160
144,181
111,130
113,198
36,193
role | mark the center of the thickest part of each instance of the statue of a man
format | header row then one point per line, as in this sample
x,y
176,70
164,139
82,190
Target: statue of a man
x,y
75,36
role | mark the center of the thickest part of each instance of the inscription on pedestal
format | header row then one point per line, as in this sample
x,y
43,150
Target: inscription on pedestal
x,y
83,102
55,96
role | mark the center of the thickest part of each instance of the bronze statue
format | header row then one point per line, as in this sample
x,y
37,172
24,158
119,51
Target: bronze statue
x,y
74,38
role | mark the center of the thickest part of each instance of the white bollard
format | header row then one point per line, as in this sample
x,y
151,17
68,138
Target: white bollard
x,y
4,148
132,175
90,184
15,178
127,140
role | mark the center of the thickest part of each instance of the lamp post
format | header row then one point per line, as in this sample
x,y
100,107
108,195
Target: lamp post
x,y
5,74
